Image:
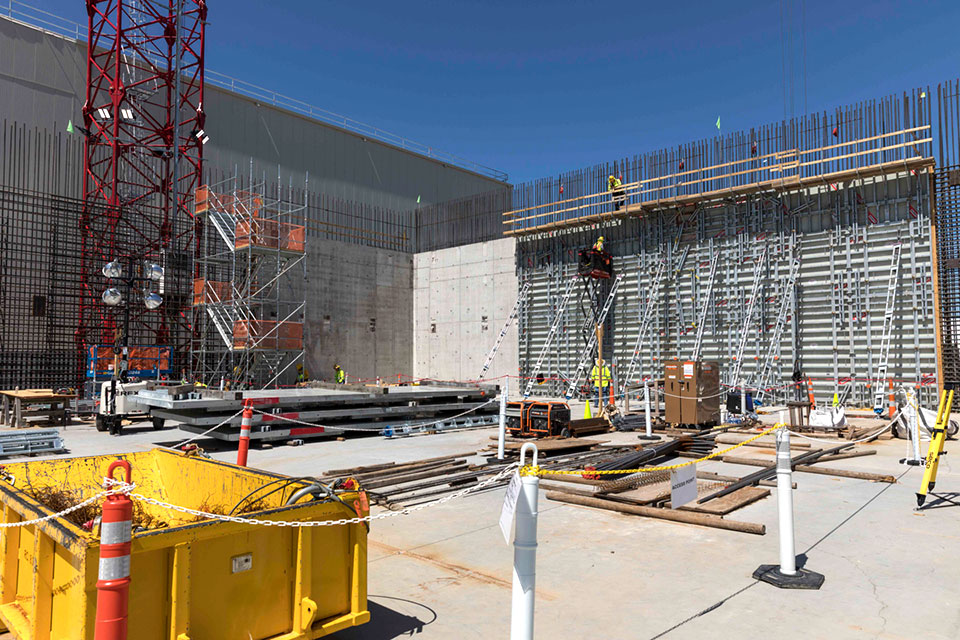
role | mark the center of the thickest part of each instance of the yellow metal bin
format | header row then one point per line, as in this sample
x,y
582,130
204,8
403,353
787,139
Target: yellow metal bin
x,y
191,578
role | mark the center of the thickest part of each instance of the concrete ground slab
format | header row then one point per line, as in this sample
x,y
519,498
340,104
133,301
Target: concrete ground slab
x,y
445,572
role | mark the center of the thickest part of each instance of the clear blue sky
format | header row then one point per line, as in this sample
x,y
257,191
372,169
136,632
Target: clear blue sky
x,y
534,88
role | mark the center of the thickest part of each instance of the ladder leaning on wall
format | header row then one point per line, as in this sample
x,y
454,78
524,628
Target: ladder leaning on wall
x,y
887,331
557,320
506,327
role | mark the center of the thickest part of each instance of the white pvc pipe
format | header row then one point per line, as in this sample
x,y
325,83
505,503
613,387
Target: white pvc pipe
x,y
788,555
525,553
646,407
503,417
743,400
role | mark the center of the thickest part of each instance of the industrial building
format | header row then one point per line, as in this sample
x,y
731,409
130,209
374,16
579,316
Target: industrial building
x,y
189,253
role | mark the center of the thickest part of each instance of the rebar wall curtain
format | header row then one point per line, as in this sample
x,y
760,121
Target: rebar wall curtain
x,y
142,120
947,201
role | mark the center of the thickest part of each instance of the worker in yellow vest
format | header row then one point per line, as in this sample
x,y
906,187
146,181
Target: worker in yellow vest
x,y
614,186
341,376
598,245
600,376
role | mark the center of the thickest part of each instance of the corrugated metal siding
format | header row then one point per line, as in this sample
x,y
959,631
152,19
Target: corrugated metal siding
x,y
845,261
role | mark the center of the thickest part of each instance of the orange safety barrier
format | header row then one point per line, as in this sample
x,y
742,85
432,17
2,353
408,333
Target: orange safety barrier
x,y
269,234
211,291
139,358
266,334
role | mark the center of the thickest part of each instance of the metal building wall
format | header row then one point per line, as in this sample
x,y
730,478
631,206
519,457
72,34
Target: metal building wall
x,y
42,85
843,235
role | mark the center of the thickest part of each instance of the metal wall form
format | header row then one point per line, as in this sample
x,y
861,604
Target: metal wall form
x,y
843,235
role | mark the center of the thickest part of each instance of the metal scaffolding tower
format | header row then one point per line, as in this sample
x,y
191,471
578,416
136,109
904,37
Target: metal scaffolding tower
x,y
249,307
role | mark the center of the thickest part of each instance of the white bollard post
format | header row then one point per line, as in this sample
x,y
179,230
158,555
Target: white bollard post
x,y
786,575
646,410
525,552
743,401
503,417
788,553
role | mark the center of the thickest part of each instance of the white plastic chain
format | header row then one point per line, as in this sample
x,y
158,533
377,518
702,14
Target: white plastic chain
x,y
124,488
200,435
79,505
421,424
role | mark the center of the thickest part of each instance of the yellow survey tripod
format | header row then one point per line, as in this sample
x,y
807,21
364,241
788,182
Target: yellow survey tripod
x,y
938,438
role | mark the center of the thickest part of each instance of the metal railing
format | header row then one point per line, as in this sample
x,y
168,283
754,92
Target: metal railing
x,y
55,24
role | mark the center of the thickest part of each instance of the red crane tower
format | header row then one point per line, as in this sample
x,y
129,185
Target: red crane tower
x,y
143,121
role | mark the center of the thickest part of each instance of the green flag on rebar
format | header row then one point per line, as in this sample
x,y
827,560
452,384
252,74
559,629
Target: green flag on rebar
x,y
69,126
718,123
418,198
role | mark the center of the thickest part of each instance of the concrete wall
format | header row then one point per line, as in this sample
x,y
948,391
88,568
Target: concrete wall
x,y
43,84
359,310
462,296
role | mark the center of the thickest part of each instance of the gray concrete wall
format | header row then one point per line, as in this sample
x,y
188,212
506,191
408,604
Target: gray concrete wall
x,y
42,84
462,296
359,310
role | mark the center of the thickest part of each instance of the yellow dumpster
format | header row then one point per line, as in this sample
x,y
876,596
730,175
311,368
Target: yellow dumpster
x,y
191,578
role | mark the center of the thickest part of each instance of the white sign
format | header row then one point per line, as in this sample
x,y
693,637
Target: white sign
x,y
683,485
509,506
687,369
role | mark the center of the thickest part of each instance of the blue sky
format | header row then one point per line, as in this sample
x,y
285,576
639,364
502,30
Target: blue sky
x,y
535,88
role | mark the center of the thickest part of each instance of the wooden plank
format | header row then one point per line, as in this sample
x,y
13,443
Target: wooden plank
x,y
730,502
675,515
565,444
782,183
824,471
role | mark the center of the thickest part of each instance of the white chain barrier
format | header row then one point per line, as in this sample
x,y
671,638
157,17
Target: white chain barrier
x,y
213,428
128,489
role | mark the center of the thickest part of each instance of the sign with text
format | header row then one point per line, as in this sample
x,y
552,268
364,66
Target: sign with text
x,y
683,485
509,507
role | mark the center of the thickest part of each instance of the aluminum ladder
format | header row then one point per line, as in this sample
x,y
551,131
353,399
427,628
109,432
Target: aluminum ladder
x,y
702,321
887,331
557,319
748,319
646,320
506,327
587,352
764,377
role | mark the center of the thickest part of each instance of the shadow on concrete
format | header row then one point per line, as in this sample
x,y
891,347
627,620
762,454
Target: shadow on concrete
x,y
943,500
388,622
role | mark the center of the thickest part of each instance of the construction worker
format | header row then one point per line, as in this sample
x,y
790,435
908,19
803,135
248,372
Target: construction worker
x,y
301,374
598,245
341,376
616,192
600,376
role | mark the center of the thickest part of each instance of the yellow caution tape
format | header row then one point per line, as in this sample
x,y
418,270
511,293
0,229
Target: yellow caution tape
x,y
529,470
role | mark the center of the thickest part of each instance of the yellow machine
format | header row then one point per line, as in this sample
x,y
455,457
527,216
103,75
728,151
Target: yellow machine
x,y
939,437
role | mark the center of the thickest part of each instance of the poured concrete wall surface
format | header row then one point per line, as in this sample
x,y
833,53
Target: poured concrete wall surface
x,y
462,297
359,311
